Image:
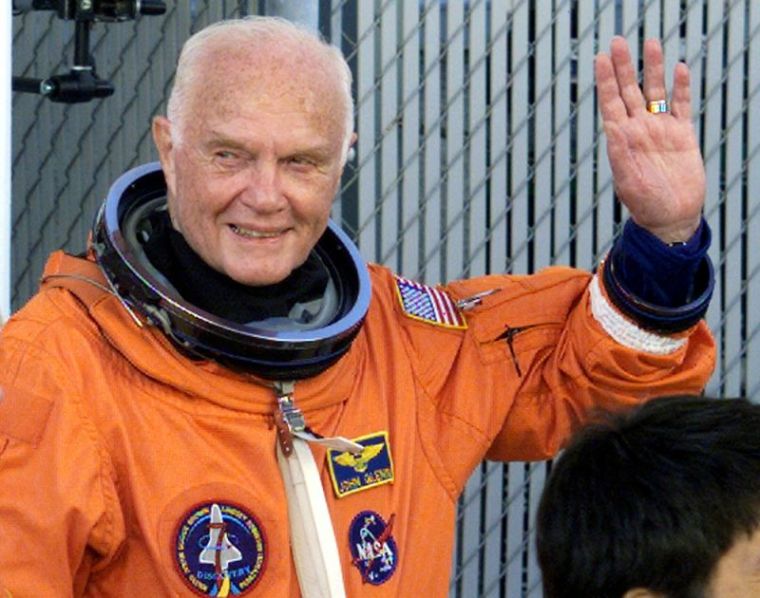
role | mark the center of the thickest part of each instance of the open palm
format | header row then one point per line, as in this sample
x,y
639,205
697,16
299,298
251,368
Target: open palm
x,y
655,159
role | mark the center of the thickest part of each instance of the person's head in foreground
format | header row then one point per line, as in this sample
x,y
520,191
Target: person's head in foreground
x,y
661,502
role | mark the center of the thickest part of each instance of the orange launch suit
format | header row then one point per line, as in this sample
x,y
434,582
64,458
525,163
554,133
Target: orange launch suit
x,y
109,436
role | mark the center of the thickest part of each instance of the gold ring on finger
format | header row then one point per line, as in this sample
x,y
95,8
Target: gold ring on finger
x,y
658,106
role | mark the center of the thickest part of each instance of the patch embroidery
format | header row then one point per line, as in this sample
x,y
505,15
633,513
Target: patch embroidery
x,y
428,304
372,467
373,549
220,550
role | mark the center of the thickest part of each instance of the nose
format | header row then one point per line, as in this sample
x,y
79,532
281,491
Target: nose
x,y
263,190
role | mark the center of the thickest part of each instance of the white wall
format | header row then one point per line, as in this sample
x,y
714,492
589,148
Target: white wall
x,y
5,158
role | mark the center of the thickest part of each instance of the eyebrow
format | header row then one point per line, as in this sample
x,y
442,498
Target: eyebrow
x,y
317,150
319,154
218,139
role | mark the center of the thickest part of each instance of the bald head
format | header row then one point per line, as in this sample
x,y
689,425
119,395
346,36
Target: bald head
x,y
260,59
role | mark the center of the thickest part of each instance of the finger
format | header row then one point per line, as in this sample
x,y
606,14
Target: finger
x,y
610,103
618,152
654,71
626,76
681,103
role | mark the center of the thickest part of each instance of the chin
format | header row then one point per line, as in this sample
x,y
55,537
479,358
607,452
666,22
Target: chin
x,y
253,279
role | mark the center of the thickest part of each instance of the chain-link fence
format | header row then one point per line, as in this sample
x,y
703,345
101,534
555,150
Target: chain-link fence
x,y
479,151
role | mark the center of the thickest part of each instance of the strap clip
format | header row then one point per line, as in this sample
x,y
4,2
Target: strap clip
x,y
290,423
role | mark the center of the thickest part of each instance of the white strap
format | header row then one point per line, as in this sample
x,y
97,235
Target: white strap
x,y
338,443
627,333
312,537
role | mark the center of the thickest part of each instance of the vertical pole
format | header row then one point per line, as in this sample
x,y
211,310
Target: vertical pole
x,y
5,157
304,13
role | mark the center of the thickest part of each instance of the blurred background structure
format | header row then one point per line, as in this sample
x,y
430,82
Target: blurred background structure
x,y
479,151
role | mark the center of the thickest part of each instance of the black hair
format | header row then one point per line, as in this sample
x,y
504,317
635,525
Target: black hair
x,y
650,499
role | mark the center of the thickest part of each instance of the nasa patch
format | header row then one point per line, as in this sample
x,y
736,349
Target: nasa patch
x,y
220,549
356,472
373,549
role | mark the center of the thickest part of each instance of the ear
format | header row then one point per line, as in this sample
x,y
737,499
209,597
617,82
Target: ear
x,y
162,137
351,153
641,593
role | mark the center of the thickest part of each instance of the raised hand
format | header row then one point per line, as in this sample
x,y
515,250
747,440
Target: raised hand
x,y
655,159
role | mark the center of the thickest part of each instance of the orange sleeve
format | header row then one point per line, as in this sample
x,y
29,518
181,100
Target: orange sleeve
x,y
583,369
532,364
58,506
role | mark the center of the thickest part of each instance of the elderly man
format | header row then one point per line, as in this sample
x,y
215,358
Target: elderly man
x,y
222,398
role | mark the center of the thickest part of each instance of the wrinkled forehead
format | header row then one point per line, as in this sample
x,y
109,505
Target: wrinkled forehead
x,y
230,78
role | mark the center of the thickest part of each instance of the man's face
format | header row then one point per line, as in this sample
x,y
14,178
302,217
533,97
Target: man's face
x,y
252,170
737,574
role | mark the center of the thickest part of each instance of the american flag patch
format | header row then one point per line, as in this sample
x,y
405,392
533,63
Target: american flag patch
x,y
429,304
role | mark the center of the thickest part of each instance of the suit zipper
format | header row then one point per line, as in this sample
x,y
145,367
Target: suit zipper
x,y
509,335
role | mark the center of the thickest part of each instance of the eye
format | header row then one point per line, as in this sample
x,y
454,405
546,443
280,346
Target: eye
x,y
228,159
301,161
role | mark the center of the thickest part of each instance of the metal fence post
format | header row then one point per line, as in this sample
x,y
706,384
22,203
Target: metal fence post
x,y
305,13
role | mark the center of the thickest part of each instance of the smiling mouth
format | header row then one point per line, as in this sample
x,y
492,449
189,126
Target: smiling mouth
x,y
253,234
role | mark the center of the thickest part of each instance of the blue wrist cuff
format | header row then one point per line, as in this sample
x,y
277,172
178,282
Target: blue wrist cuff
x,y
662,287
